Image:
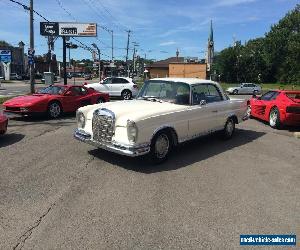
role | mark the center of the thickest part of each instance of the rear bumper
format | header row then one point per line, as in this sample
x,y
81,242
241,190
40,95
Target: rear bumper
x,y
122,149
291,119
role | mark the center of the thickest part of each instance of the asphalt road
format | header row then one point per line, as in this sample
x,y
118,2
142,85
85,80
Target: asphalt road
x,y
58,193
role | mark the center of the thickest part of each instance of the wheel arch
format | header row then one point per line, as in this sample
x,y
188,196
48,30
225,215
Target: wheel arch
x,y
234,118
55,100
168,128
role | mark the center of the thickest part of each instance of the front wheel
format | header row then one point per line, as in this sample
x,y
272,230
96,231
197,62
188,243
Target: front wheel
x,y
54,110
160,147
235,92
248,112
229,129
274,118
126,94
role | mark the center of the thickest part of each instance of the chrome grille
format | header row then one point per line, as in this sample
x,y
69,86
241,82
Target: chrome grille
x,y
103,125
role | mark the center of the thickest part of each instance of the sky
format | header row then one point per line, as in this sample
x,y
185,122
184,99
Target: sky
x,y
159,27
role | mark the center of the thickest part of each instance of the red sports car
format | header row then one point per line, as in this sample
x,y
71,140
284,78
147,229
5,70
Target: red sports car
x,y
278,107
55,99
3,124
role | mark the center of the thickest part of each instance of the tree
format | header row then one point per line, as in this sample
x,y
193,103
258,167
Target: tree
x,y
4,44
273,58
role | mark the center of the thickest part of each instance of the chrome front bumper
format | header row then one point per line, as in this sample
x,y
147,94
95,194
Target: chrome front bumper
x,y
122,149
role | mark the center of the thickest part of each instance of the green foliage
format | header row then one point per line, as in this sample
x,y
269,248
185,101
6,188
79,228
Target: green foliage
x,y
273,58
4,44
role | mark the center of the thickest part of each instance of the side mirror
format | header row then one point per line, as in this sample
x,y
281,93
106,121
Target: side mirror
x,y
69,93
202,102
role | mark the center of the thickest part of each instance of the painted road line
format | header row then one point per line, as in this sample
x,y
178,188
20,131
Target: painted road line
x,y
297,135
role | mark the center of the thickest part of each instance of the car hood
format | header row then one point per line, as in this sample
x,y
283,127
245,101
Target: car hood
x,y
25,100
135,110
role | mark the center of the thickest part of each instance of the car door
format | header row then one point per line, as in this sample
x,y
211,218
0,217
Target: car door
x,y
118,84
71,99
202,114
259,106
104,86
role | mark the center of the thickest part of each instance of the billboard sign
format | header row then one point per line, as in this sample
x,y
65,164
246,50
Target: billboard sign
x,y
5,55
48,29
68,29
77,29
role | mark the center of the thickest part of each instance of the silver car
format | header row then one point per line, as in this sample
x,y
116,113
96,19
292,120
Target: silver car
x,y
245,88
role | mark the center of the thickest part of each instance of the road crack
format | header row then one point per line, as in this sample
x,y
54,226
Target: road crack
x,y
27,234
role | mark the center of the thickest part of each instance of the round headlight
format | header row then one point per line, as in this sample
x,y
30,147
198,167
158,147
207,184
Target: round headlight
x,y
131,131
80,119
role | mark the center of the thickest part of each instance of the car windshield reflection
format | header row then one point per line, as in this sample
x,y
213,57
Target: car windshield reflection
x,y
52,90
165,91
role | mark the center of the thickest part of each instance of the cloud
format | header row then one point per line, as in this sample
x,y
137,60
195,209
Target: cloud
x,y
168,43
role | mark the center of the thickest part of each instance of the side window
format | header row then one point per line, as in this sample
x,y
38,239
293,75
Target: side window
x,y
267,96
115,80
214,94
76,91
122,80
274,96
199,93
84,91
107,81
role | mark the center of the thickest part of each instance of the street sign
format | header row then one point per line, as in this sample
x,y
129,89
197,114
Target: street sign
x,y
68,29
31,56
5,56
48,29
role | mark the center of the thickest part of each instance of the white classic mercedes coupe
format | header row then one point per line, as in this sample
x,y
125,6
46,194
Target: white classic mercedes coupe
x,y
166,112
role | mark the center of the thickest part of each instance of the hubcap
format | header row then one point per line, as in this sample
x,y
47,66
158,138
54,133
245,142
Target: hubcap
x,y
100,101
273,118
229,127
162,146
54,110
126,95
249,111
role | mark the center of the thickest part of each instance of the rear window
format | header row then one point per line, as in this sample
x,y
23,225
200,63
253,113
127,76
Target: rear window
x,y
293,95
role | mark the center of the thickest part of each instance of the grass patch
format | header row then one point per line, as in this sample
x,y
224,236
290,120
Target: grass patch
x,y
267,86
5,98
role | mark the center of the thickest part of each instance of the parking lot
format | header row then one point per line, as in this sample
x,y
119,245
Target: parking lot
x,y
58,193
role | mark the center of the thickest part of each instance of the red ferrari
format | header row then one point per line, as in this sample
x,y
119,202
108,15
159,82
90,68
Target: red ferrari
x,y
54,99
278,107
3,124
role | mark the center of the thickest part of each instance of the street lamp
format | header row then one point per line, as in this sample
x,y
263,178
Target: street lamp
x,y
96,47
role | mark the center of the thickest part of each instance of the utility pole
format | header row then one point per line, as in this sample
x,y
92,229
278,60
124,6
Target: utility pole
x,y
127,48
99,54
64,60
112,45
31,47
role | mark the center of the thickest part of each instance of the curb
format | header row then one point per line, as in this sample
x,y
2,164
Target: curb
x,y
297,135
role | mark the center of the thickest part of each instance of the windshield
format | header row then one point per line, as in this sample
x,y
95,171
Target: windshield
x,y
52,90
168,91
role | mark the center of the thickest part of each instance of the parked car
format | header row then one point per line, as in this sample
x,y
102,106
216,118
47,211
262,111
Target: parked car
x,y
166,112
15,76
278,107
88,77
3,124
245,88
117,86
43,79
54,100
69,75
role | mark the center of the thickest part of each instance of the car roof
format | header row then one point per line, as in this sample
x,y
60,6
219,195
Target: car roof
x,y
127,78
189,81
66,86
